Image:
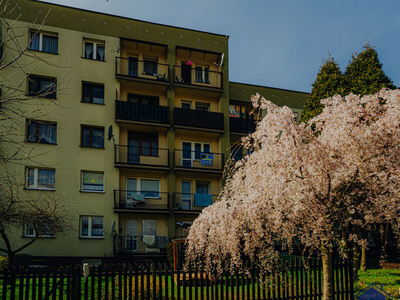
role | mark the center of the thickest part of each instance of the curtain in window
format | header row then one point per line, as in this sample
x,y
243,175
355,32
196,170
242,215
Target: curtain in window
x,y
32,132
88,50
206,78
86,137
50,44
97,226
101,51
93,182
48,133
186,194
149,227
131,235
46,179
97,138
150,188
31,177
35,37
150,67
199,74
84,226
202,187
47,86
98,94
133,66
197,149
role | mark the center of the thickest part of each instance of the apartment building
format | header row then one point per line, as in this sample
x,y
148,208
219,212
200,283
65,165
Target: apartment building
x,y
139,131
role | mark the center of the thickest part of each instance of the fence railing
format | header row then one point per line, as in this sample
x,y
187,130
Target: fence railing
x,y
199,160
133,155
198,118
200,76
142,69
133,244
126,199
185,201
241,125
291,279
141,112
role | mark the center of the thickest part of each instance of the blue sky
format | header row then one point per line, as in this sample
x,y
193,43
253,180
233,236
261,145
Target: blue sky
x,y
278,43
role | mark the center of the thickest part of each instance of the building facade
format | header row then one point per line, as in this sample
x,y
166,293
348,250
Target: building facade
x,y
136,136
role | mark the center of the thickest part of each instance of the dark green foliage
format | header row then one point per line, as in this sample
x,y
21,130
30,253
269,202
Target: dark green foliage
x,y
364,74
329,82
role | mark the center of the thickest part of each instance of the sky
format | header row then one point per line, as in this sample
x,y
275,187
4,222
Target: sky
x,y
280,43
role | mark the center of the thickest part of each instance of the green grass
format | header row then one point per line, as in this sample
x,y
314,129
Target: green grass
x,y
389,278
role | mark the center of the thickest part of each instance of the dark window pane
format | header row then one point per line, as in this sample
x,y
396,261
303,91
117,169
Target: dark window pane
x,y
98,94
50,44
197,149
86,137
35,41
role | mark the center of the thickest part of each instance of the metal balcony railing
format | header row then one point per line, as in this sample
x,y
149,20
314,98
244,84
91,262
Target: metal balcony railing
x,y
185,201
241,125
141,69
132,155
198,76
132,244
199,160
198,118
127,199
141,112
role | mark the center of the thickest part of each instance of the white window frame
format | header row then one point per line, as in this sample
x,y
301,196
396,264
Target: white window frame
x,y
35,179
193,152
95,43
92,172
40,34
203,73
186,102
139,185
202,104
29,227
89,236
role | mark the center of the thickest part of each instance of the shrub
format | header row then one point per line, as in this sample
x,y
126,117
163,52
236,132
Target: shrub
x,y
3,263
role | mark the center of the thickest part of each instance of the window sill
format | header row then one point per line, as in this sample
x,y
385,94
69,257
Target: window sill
x,y
38,96
94,192
92,59
91,238
43,51
91,147
39,189
39,237
93,103
41,143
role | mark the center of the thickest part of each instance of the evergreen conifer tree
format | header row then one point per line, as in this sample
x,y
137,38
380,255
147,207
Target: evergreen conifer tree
x,y
329,82
364,74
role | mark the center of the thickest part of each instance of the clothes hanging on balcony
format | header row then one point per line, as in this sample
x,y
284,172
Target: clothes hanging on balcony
x,y
149,240
162,241
202,200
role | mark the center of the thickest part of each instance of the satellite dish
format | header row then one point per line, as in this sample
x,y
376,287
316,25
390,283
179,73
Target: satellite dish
x,y
110,133
113,228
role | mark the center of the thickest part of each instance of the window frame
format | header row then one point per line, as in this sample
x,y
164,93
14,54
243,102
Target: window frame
x,y
35,179
142,98
92,85
152,62
101,173
95,45
36,133
90,127
39,34
204,72
41,93
29,226
90,227
202,105
193,146
139,186
141,135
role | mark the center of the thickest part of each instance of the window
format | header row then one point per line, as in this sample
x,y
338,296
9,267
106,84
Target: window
x,y
42,86
150,66
94,50
143,99
192,151
133,66
201,74
45,42
149,227
91,227
40,178
92,137
141,143
202,106
44,230
150,188
186,105
93,93
92,182
41,132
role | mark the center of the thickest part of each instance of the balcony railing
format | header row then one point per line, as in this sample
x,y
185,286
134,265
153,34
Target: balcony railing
x,y
195,202
201,77
141,112
241,125
198,118
199,160
138,69
137,200
141,156
133,244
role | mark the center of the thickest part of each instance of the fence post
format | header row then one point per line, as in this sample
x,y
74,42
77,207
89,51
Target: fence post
x,y
5,283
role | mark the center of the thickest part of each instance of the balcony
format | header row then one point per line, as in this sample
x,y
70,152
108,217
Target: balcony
x,y
136,112
136,244
198,161
141,157
141,71
211,121
241,125
185,203
127,200
199,78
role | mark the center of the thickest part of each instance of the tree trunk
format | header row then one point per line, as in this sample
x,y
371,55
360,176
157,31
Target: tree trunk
x,y
327,271
363,264
356,261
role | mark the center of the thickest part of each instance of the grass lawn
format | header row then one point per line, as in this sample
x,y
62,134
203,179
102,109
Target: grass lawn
x,y
389,278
